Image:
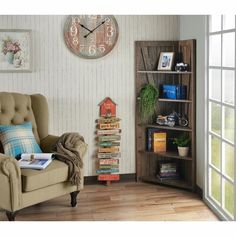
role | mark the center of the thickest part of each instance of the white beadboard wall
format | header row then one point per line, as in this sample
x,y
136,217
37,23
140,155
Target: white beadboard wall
x,y
75,86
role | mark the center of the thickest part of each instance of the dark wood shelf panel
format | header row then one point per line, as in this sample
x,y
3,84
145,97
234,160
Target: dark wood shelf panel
x,y
164,72
173,100
178,128
169,154
180,183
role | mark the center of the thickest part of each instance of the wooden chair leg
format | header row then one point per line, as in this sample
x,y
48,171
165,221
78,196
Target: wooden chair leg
x,y
74,198
11,215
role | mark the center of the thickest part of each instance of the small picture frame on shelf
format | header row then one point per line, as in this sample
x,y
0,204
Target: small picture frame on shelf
x,y
166,60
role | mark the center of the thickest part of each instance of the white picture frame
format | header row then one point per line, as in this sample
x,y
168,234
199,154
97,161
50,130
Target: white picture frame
x,y
166,60
15,50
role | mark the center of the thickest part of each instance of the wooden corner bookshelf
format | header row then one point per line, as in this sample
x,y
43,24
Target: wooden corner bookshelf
x,y
147,55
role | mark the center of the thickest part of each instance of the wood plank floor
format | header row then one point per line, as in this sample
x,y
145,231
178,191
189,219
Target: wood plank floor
x,y
122,202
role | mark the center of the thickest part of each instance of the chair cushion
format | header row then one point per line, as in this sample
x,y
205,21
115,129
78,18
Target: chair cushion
x,y
18,139
56,172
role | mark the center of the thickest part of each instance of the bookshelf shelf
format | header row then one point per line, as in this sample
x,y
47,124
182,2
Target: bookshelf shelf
x,y
164,72
174,100
179,183
164,127
169,154
148,163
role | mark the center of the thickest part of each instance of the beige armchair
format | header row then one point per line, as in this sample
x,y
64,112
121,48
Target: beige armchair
x,y
20,188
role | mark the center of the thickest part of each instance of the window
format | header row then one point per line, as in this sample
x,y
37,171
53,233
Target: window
x,y
220,178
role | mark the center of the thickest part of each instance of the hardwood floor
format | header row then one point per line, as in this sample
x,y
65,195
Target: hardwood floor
x,y
121,202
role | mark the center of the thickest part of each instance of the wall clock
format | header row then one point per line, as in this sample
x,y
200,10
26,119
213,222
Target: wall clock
x,y
91,36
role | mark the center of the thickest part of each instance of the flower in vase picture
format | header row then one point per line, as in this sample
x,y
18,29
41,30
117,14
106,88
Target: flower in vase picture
x,y
10,50
15,47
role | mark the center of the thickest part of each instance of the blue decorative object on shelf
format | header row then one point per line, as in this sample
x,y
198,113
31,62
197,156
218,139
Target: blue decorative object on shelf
x,y
171,91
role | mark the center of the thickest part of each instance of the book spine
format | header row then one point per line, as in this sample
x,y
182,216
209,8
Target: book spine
x,y
159,142
149,140
168,171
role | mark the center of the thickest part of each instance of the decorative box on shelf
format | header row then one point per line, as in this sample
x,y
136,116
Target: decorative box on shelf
x,y
172,91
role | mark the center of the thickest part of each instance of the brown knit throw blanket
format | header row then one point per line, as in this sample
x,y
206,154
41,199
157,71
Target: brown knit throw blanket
x,y
70,148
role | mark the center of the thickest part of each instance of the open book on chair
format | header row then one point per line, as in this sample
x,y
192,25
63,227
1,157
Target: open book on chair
x,y
37,161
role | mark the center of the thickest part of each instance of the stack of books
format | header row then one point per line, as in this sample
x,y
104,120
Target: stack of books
x,y
168,171
108,137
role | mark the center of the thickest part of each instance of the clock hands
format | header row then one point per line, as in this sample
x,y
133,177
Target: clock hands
x,y
91,31
85,28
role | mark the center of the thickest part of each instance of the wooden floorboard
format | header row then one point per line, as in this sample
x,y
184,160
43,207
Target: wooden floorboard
x,y
122,202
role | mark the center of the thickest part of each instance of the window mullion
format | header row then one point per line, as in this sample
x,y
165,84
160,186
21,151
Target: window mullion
x,y
207,176
222,114
235,124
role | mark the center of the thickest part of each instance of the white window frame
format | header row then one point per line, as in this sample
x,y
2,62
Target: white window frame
x,y
210,201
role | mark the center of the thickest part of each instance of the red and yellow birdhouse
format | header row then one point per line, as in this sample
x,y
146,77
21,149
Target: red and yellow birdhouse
x,y
107,108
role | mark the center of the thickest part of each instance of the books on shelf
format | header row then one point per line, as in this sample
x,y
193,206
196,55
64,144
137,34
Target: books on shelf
x,y
149,138
159,142
168,171
38,161
161,178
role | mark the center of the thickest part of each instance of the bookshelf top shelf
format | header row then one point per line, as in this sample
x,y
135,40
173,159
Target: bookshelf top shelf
x,y
164,72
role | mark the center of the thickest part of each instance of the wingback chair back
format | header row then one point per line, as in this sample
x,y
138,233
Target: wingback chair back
x,y
16,108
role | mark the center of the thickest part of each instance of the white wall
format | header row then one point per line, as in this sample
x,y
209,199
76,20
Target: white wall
x,y
75,86
193,27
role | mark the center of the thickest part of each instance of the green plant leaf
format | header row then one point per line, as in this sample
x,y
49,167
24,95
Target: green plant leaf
x,y
147,101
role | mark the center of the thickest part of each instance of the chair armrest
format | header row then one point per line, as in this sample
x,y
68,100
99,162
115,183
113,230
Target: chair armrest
x,y
10,184
46,143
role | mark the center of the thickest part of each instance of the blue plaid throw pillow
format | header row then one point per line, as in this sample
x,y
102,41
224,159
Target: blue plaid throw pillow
x,y
18,139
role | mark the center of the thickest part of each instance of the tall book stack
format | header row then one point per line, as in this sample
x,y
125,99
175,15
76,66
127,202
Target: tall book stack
x,y
168,171
108,140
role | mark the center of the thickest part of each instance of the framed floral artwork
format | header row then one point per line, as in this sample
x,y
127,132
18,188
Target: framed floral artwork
x,y
15,50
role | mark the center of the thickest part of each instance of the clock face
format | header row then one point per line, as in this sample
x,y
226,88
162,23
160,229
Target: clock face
x,y
91,36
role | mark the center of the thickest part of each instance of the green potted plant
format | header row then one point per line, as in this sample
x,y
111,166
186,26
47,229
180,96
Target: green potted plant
x,y
183,145
147,102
